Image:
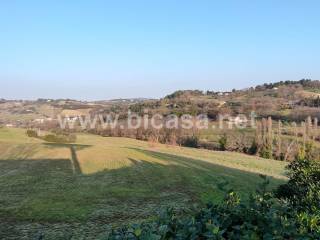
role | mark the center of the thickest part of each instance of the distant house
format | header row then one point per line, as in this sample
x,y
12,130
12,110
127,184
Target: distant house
x,y
72,118
42,120
39,120
223,93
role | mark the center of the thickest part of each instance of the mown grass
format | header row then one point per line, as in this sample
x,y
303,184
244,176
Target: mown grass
x,y
113,180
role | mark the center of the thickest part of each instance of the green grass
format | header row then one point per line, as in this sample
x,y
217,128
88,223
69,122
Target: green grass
x,y
109,181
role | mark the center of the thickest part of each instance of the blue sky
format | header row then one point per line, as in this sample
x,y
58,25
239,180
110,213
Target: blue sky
x,y
109,49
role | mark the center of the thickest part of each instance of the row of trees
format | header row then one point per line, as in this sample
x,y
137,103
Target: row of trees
x,y
274,141
54,137
175,136
270,139
307,83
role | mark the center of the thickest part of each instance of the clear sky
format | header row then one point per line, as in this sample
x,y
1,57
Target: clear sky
x,y
109,49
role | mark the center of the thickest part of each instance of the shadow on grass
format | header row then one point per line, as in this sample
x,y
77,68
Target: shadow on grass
x,y
47,190
76,168
20,168
23,151
67,145
198,164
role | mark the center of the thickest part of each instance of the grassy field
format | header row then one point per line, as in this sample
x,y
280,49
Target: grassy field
x,y
82,189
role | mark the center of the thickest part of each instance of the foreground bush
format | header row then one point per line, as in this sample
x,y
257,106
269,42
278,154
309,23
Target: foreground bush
x,y
293,214
264,217
303,187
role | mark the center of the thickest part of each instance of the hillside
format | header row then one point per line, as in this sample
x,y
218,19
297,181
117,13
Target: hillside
x,y
99,181
288,101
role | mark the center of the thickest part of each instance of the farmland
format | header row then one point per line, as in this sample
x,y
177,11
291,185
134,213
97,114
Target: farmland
x,y
99,182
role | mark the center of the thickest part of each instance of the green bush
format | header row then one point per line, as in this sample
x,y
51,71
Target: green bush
x,y
294,214
263,217
303,187
31,133
190,141
253,149
223,142
266,152
59,138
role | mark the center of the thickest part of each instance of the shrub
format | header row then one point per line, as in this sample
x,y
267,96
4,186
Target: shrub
x,y
294,215
190,141
31,133
266,152
223,142
59,138
263,217
253,149
303,187
208,145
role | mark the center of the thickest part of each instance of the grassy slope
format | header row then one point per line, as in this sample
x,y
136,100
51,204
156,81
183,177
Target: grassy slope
x,y
115,180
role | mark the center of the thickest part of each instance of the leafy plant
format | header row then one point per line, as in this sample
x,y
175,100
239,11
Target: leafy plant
x,y
253,149
31,133
59,138
303,187
191,141
223,142
262,217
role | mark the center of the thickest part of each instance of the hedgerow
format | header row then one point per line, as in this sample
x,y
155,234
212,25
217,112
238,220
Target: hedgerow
x,y
53,137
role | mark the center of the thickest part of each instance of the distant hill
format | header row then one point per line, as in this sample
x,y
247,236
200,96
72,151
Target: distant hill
x,y
285,100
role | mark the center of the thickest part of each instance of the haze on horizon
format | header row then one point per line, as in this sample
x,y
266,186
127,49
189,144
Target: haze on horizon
x,y
95,50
